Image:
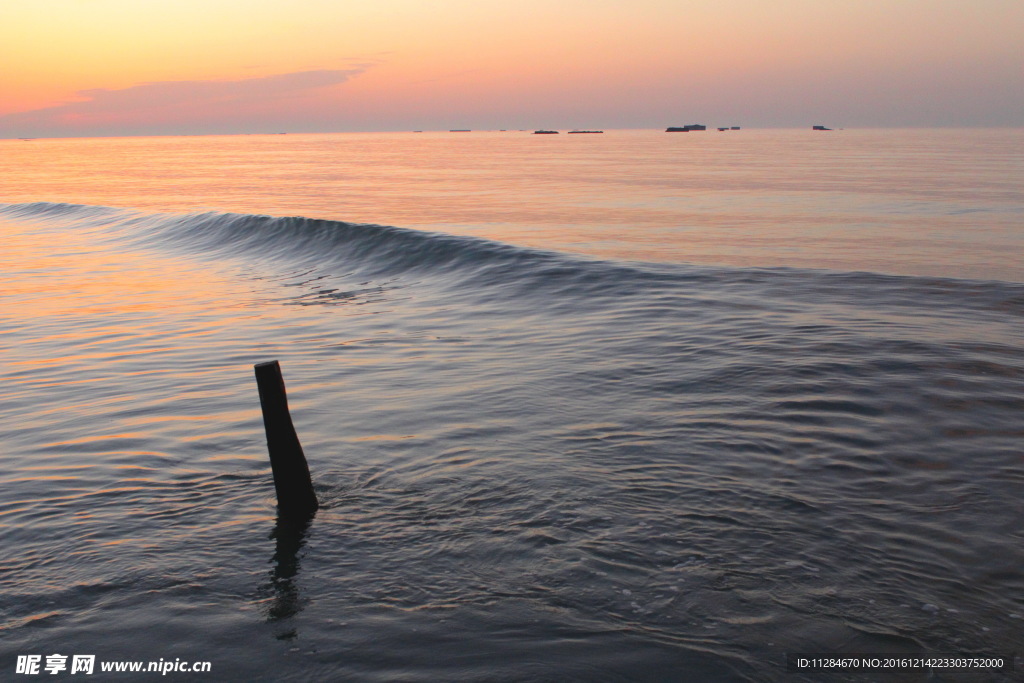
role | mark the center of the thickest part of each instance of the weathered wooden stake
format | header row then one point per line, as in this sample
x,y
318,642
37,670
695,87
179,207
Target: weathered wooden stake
x,y
295,496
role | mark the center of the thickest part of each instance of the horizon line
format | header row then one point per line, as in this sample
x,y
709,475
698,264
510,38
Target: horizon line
x,y
710,129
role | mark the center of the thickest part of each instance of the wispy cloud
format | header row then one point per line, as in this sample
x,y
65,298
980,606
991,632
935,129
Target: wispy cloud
x,y
181,106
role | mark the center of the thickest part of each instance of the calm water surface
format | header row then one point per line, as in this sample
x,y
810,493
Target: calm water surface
x,y
921,202
619,407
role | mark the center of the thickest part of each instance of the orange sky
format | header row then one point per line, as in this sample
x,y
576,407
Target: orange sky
x,y
109,67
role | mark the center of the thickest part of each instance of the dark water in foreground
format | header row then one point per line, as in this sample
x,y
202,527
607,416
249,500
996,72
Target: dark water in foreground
x,y
532,466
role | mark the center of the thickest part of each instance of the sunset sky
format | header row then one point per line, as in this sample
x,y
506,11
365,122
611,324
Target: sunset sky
x,y
136,67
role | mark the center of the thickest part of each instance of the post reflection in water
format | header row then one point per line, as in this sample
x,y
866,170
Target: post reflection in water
x,y
285,599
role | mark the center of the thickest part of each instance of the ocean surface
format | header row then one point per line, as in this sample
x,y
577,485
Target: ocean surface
x,y
624,407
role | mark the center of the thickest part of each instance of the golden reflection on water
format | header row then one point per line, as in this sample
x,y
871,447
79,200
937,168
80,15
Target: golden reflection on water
x,y
83,282
918,202
90,331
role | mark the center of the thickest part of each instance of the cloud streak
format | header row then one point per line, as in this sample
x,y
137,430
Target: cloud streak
x,y
184,106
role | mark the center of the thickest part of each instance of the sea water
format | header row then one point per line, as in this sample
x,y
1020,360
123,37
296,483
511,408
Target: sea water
x,y
631,406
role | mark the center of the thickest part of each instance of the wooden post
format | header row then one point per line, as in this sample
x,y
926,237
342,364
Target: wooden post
x,y
295,496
